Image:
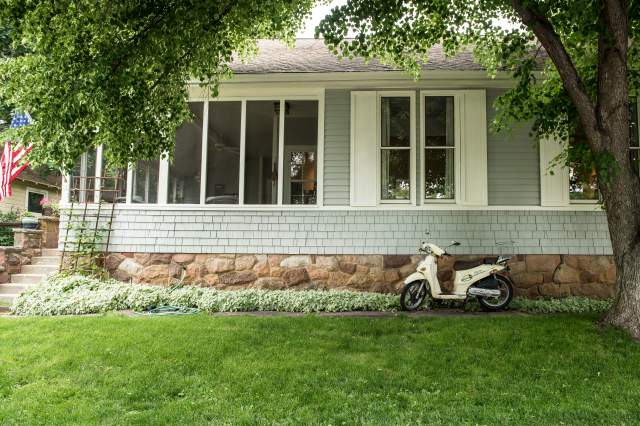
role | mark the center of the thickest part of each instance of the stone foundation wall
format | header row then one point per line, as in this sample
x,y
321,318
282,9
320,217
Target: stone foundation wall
x,y
534,275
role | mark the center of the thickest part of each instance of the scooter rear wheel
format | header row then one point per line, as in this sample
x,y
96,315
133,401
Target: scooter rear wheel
x,y
413,295
501,302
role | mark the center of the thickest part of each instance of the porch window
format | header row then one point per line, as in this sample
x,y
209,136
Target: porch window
x,y
82,177
395,148
184,170
145,182
114,188
261,152
439,148
223,153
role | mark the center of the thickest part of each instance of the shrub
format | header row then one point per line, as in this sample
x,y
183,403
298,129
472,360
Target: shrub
x,y
567,305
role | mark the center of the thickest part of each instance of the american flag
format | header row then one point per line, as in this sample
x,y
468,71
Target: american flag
x,y
11,162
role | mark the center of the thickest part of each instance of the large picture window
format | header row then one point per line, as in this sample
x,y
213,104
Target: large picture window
x,y
261,152
145,182
300,152
395,148
439,148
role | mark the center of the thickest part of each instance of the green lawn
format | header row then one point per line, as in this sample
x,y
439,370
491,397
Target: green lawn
x,y
316,370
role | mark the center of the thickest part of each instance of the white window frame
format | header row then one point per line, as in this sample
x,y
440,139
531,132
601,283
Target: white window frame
x,y
43,192
457,128
411,148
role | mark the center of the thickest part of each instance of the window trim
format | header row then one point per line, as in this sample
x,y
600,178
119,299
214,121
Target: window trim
x,y
411,94
43,192
457,128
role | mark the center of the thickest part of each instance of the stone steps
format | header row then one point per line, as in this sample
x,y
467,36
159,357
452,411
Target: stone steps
x,y
39,269
31,275
46,260
11,288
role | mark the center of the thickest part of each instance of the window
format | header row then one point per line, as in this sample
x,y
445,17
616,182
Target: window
x,y
145,182
261,152
439,147
223,152
34,197
300,152
395,148
583,181
184,170
233,152
82,178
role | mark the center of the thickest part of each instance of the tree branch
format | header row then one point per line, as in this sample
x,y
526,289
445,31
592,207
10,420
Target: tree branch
x,y
571,80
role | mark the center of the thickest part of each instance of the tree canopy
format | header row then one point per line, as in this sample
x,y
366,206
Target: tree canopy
x,y
401,33
115,72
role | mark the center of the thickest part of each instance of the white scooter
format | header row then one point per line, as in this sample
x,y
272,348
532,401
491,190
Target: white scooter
x,y
487,279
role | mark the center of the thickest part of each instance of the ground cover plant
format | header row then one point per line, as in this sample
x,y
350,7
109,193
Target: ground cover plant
x,y
112,369
77,294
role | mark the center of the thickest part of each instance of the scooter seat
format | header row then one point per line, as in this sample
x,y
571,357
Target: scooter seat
x,y
462,265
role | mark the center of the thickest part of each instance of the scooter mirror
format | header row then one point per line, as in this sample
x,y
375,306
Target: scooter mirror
x,y
455,243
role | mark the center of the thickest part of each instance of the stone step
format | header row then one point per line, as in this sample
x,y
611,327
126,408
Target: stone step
x,y
27,278
39,269
8,298
50,252
14,288
46,260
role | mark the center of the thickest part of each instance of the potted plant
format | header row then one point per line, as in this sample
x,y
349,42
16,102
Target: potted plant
x,y
29,221
49,208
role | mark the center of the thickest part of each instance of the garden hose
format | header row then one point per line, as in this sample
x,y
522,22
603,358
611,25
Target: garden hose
x,y
169,310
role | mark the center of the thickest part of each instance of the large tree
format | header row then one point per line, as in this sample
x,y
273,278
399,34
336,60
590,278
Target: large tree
x,y
574,62
115,72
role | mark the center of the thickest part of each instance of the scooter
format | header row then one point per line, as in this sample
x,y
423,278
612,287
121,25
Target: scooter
x,y
487,279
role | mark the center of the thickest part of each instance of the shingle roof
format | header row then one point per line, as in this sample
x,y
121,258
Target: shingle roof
x,y
312,56
30,175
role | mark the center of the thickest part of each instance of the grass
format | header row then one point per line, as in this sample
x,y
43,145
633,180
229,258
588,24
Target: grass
x,y
316,370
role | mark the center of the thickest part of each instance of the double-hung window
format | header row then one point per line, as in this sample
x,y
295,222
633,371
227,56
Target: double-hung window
x,y
396,148
439,148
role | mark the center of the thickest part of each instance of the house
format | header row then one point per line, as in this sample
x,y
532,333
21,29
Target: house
x,y
313,172
29,188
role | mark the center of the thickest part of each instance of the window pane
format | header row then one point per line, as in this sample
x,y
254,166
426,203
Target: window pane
x,y
583,184
261,158
439,124
439,173
33,202
145,182
112,189
82,178
223,153
633,123
395,174
184,171
300,152
396,121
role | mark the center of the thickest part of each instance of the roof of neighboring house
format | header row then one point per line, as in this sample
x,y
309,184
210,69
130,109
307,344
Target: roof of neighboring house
x,y
312,56
29,175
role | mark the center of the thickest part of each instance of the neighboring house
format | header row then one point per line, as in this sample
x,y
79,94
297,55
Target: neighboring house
x,y
29,188
313,172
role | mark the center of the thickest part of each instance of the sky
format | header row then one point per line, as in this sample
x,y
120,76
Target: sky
x,y
319,12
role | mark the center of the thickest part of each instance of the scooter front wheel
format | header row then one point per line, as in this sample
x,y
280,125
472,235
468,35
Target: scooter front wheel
x,y
413,295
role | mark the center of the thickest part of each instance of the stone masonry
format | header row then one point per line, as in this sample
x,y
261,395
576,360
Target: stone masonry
x,y
534,275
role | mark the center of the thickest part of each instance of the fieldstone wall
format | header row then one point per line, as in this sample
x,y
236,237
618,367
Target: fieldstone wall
x,y
11,261
534,275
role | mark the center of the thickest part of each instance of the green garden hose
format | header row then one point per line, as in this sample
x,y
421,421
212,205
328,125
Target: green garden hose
x,y
169,310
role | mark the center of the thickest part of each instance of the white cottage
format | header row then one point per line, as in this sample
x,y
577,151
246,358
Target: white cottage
x,y
313,172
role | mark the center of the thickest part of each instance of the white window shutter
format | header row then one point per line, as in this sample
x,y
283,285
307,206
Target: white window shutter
x,y
554,188
364,149
473,149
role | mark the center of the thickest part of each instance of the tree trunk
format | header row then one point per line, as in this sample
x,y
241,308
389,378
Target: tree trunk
x,y
625,312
